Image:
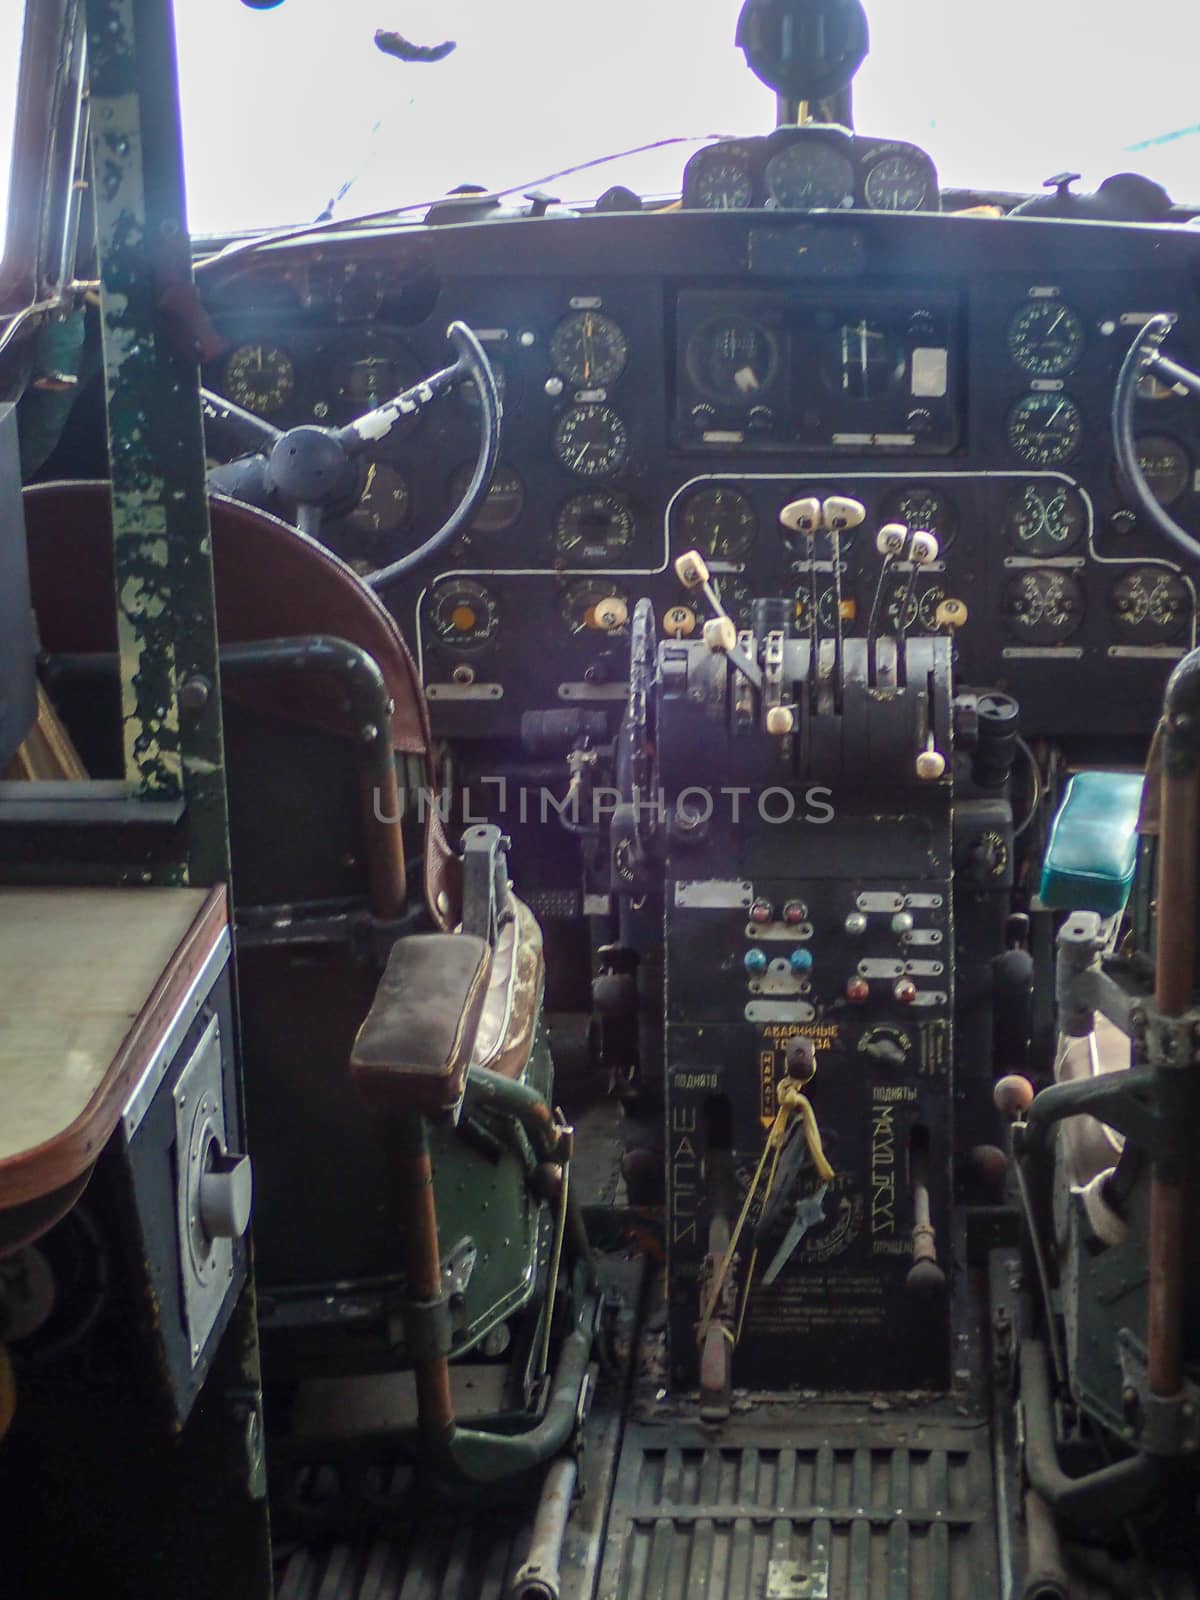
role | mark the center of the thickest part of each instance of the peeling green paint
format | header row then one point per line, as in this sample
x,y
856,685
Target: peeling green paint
x,y
162,551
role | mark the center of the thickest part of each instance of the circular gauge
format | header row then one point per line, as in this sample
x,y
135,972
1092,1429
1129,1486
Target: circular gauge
x,y
1045,338
366,382
593,529
463,615
733,358
1045,429
1044,519
927,607
922,508
1043,605
806,176
735,597
503,503
862,360
385,501
589,350
723,182
918,607
596,607
802,606
1165,466
261,377
719,522
591,441
1149,605
897,183
369,381
469,394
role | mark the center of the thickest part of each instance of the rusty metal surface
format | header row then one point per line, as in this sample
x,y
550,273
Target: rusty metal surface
x,y
895,1508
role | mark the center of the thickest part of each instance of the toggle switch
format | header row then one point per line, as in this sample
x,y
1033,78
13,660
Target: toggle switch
x,y
755,962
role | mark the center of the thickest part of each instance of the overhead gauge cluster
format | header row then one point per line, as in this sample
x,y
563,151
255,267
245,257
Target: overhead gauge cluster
x,y
813,167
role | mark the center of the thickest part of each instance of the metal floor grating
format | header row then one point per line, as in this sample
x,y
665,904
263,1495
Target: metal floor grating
x,y
883,1509
444,1559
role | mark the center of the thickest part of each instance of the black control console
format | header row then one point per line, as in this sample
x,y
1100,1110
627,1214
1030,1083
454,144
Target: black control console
x,y
827,823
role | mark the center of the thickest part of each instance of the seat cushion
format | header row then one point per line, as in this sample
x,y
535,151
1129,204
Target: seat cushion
x,y
1093,844
413,1051
513,1007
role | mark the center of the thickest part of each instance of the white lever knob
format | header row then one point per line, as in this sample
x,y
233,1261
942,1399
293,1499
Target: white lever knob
x,y
891,539
924,548
720,635
691,569
802,516
839,513
610,613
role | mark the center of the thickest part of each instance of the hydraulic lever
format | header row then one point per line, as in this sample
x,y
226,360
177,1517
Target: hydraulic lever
x,y
839,515
890,541
922,549
804,517
720,632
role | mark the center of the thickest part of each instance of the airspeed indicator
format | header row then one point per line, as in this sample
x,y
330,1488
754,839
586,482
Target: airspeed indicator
x,y
1045,429
591,441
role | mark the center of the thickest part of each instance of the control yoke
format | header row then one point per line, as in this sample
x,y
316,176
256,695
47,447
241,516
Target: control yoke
x,y
317,470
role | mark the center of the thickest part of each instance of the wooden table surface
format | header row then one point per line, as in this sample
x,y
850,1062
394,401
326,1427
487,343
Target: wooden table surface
x,y
89,981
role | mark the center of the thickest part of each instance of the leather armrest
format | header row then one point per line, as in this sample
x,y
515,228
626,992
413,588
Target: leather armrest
x,y
414,1048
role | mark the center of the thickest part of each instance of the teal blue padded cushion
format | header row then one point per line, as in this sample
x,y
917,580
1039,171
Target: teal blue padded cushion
x,y
1093,844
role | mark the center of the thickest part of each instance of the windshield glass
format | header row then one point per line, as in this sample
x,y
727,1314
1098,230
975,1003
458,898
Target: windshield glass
x,y
286,110
12,26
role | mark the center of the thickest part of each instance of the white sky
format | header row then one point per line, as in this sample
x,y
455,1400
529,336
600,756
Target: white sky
x,y
11,27
280,106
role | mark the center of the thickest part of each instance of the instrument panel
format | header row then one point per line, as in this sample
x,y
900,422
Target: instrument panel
x,y
809,168
675,381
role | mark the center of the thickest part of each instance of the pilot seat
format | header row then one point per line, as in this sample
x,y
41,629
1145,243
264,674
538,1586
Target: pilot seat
x,y
413,1206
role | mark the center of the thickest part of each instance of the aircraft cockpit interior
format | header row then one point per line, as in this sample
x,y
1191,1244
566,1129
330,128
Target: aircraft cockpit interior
x,y
599,800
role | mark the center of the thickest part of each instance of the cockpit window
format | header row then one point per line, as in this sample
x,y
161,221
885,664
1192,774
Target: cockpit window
x,y
12,27
1005,96
290,109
